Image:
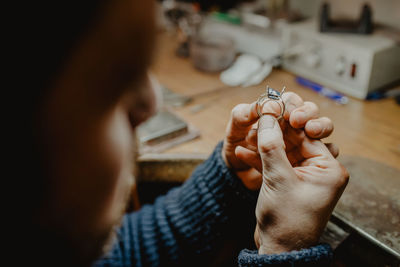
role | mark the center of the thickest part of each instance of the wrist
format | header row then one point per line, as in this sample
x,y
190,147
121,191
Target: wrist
x,y
223,155
272,242
266,244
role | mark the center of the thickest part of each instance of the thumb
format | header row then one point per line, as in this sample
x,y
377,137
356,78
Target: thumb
x,y
272,149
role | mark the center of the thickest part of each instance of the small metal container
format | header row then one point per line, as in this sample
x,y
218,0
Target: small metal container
x,y
212,53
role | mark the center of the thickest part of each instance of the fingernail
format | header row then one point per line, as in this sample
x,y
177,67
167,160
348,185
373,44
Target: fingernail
x,y
301,116
315,127
289,107
267,122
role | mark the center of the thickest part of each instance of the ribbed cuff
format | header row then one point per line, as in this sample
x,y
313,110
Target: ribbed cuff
x,y
231,178
210,207
320,255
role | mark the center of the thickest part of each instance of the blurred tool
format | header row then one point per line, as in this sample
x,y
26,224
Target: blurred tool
x,y
216,94
174,99
363,25
185,18
163,131
162,126
352,64
384,94
329,93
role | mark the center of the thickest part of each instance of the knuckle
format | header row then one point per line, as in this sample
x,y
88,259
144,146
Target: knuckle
x,y
300,134
251,137
343,175
291,101
334,149
327,124
312,106
293,98
289,95
236,110
268,146
326,120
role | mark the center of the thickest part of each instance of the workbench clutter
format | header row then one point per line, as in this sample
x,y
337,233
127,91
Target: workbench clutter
x,y
248,70
213,38
214,53
164,130
352,55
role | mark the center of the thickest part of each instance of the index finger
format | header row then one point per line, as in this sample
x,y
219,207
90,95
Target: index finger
x,y
244,115
242,118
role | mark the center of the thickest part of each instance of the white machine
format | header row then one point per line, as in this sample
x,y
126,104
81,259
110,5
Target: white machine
x,y
264,43
352,64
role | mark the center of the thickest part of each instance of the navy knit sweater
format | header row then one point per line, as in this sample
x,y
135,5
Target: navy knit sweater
x,y
192,223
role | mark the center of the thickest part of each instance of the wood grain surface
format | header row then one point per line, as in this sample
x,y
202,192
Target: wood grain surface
x,y
362,128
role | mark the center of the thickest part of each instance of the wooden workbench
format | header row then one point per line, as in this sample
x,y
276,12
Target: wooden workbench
x,y
367,133
366,129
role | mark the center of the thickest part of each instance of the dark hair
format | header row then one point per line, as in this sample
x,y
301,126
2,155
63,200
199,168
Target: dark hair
x,y
49,32
43,35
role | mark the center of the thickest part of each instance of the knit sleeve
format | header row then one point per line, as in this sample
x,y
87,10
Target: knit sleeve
x,y
190,224
320,255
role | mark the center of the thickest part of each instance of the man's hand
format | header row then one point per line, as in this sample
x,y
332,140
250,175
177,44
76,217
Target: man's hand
x,y
300,188
240,145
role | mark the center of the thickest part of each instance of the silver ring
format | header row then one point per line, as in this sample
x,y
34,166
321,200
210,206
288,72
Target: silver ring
x,y
271,95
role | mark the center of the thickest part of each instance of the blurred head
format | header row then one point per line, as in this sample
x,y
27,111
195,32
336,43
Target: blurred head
x,y
87,100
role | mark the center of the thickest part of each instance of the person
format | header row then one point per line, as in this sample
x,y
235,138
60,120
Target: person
x,y
81,110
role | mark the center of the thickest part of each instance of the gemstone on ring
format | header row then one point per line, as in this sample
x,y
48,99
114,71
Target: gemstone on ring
x,y
271,95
